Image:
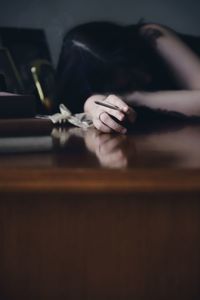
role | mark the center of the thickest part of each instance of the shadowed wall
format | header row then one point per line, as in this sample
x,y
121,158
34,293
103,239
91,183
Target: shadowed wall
x,y
59,15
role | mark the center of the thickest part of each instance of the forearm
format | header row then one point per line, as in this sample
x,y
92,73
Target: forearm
x,y
184,102
183,63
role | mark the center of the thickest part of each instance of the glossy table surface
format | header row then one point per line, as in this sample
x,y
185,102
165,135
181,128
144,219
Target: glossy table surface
x,y
36,156
85,215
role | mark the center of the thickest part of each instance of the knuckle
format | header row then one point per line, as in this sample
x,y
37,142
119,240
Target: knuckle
x,y
112,97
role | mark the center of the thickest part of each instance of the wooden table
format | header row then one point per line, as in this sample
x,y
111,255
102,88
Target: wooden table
x,y
95,216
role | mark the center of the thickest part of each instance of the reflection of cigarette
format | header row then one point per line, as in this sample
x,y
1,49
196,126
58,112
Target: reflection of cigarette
x,y
106,104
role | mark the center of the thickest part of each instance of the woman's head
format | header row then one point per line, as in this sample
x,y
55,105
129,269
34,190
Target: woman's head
x,y
100,57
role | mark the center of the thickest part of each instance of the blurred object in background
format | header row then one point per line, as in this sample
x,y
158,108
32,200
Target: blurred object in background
x,y
44,79
28,57
2,83
10,77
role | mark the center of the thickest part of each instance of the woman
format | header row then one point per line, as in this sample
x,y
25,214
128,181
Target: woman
x,y
147,65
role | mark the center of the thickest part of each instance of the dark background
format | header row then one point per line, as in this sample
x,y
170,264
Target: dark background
x,y
56,16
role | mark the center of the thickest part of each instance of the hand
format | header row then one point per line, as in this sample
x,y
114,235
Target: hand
x,y
102,116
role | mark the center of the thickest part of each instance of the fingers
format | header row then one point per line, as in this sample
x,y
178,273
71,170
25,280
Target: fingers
x,y
101,126
119,115
113,99
109,122
125,110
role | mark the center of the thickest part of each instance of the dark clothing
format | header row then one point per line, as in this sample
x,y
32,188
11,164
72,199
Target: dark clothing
x,y
192,41
83,72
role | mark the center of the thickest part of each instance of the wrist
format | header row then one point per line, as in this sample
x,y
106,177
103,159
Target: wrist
x,y
135,98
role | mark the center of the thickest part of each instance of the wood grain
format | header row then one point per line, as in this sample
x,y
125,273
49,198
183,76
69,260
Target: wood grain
x,y
103,217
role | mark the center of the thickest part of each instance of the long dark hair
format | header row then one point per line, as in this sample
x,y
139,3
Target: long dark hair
x,y
100,57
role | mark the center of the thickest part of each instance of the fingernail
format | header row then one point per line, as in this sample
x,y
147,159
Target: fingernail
x,y
124,130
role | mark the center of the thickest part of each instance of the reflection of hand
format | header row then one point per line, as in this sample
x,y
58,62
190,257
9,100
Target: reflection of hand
x,y
102,116
110,149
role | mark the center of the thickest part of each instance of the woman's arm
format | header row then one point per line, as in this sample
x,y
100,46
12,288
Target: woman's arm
x,y
185,68
186,102
183,63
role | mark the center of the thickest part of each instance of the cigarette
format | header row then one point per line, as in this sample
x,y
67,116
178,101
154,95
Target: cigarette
x,y
106,104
